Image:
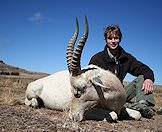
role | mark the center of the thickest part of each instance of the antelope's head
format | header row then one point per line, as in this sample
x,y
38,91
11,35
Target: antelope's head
x,y
79,79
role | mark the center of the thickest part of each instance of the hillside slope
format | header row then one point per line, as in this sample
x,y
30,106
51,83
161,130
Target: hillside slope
x,y
6,69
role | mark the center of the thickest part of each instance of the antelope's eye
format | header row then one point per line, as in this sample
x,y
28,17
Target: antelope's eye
x,y
84,87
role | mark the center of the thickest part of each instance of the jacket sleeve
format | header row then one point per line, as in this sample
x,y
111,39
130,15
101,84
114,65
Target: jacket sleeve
x,y
138,68
97,60
94,61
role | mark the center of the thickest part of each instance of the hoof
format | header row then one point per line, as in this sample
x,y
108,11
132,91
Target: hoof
x,y
27,102
34,103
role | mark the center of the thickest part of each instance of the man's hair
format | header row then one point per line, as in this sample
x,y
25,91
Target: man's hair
x,y
113,30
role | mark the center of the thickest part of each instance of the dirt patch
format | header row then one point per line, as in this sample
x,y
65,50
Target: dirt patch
x,y
24,118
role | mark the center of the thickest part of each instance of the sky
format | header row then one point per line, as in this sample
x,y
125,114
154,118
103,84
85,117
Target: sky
x,y
34,33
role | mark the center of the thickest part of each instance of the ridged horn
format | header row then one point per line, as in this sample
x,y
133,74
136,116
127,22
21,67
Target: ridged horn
x,y
75,65
70,48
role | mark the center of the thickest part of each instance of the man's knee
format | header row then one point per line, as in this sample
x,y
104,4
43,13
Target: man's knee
x,y
140,78
139,82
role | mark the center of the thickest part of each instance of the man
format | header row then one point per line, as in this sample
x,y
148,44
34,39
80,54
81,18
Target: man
x,y
117,60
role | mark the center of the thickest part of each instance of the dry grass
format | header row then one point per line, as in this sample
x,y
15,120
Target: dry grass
x,y
8,97
158,100
12,88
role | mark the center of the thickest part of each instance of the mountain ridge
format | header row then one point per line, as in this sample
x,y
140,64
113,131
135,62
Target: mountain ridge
x,y
6,69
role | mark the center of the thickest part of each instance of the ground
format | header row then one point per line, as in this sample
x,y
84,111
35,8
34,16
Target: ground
x,y
18,117
23,118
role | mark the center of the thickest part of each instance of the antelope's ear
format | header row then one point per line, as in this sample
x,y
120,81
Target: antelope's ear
x,y
98,85
96,81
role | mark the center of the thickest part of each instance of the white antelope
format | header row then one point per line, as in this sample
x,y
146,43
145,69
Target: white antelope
x,y
79,89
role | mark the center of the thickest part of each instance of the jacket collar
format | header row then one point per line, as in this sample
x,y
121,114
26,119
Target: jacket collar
x,y
110,58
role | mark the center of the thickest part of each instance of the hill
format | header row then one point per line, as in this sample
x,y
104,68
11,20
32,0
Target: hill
x,y
9,70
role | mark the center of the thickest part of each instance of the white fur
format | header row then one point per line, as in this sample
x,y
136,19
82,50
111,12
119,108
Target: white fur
x,y
133,113
54,90
113,115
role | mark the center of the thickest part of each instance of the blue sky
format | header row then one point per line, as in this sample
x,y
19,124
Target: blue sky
x,y
34,33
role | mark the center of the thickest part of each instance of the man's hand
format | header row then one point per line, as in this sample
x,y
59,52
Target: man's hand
x,y
148,86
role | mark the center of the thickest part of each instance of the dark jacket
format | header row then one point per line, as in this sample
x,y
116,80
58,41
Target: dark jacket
x,y
124,64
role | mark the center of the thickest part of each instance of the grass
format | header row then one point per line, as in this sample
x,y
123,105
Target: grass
x,y
12,88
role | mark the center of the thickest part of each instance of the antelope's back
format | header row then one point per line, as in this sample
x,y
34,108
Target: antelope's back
x,y
56,92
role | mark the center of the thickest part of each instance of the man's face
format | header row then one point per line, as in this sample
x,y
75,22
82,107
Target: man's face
x,y
113,41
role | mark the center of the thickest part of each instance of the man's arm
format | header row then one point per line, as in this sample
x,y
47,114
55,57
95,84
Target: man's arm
x,y
138,68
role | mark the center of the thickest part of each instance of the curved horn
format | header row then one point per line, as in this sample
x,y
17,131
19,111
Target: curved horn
x,y
75,65
70,48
